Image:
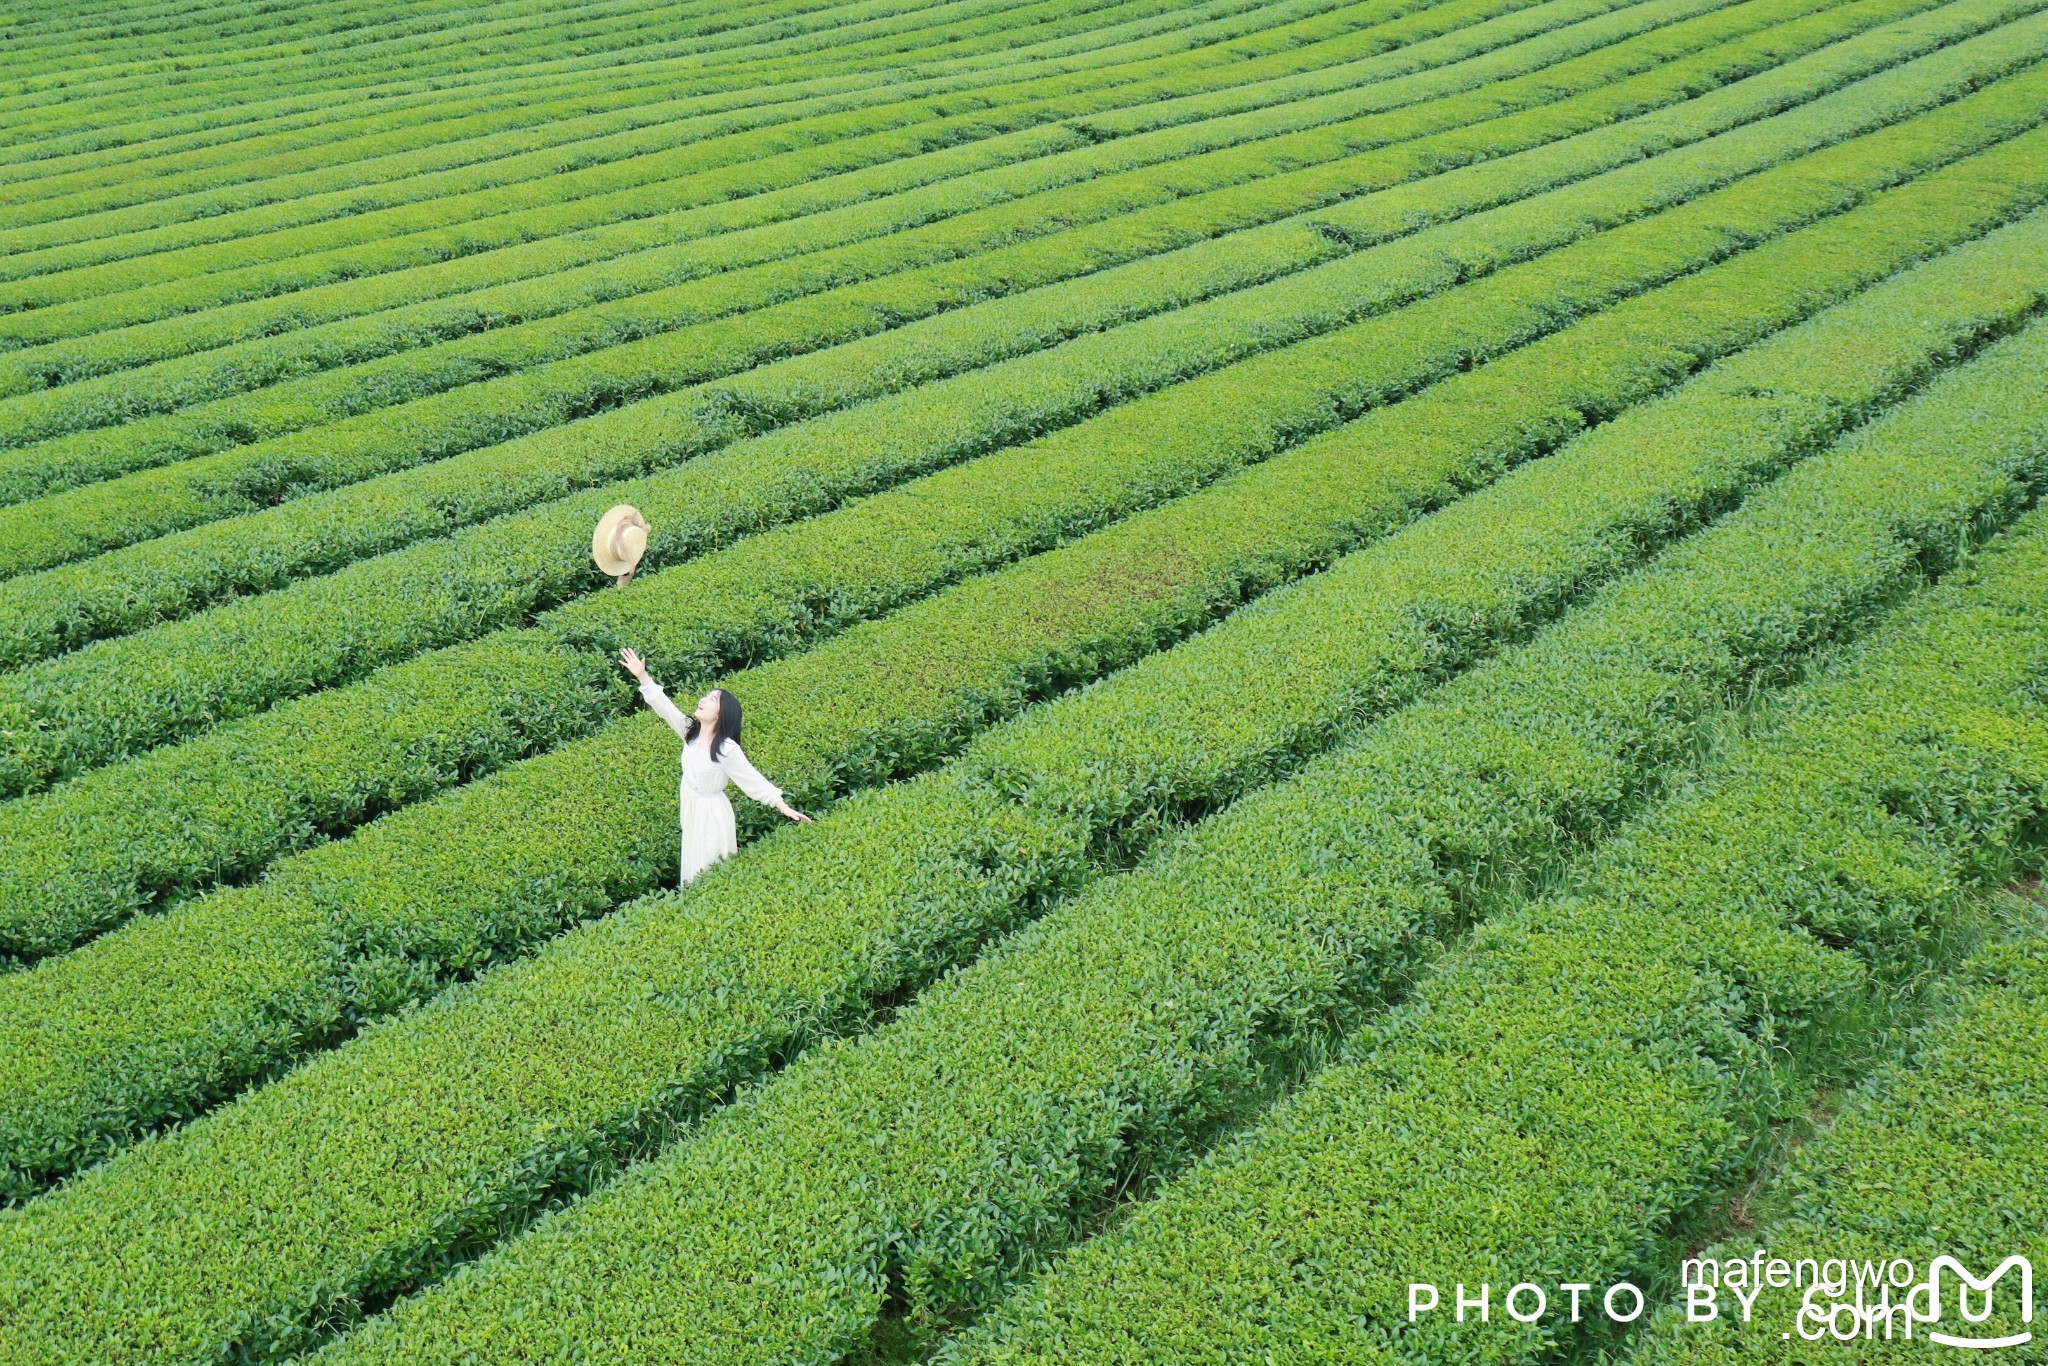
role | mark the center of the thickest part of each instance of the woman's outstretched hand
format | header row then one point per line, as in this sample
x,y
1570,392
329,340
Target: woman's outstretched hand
x,y
794,814
635,665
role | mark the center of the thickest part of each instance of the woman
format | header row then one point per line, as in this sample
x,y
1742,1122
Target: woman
x,y
711,755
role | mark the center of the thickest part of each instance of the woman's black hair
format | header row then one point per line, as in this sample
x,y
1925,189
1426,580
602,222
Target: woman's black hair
x,y
728,722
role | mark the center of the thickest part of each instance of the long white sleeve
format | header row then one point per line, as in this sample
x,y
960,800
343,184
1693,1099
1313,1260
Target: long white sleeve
x,y
653,696
741,770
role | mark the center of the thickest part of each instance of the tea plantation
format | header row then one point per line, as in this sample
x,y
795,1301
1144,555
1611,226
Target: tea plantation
x,y
1417,629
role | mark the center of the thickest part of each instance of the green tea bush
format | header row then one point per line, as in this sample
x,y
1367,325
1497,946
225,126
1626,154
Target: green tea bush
x,y
43,614
120,697
94,851
755,40
1126,31
722,168
410,409
311,196
1563,1096
259,124
914,1172
1028,204
652,1015
1030,77
1510,401
1937,1155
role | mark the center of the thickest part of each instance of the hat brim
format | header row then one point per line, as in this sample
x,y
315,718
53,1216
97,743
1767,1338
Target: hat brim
x,y
602,539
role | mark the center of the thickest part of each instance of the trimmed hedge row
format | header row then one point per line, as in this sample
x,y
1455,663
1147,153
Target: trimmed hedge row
x,y
194,37
289,122
1156,34
865,271
423,53
1942,1155
99,96
696,174
169,223
47,613
912,1173
120,697
405,410
32,43
647,226
302,139
1255,30
1562,1099
1182,38
925,871
100,849
283,115
94,202
747,40
852,37
485,132
504,159
97,107
570,359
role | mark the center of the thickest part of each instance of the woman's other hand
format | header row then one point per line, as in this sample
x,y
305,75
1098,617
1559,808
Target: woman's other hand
x,y
794,814
635,665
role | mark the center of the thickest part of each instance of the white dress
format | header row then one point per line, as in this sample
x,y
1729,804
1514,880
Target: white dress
x,y
708,830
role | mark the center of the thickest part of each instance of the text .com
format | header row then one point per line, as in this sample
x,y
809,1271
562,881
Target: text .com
x,y
1839,1299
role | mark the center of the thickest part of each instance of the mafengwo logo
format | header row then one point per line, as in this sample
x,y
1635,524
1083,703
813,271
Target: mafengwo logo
x,y
1849,1300
1965,1284
1840,1301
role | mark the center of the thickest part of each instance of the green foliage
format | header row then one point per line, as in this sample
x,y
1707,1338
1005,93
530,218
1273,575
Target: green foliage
x,y
823,575
1939,1155
124,590
650,1016
1166,87
1555,1101
1280,539
720,168
917,1170
462,396
318,112
121,696
97,209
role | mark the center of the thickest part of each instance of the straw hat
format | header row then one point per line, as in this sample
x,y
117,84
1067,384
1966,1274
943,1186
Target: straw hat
x,y
619,541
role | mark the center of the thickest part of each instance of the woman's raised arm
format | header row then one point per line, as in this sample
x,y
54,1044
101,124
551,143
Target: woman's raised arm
x,y
653,696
